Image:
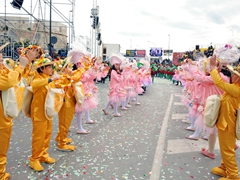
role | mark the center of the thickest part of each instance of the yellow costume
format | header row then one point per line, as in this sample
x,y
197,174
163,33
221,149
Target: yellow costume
x,y
42,127
66,114
8,79
227,126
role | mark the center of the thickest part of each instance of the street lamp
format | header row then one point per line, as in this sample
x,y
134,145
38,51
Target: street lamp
x,y
139,46
168,45
152,43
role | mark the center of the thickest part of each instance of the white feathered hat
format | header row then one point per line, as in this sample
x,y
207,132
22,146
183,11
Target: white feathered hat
x,y
115,58
77,53
146,64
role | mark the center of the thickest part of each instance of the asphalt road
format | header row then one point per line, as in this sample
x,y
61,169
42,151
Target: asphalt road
x,y
147,143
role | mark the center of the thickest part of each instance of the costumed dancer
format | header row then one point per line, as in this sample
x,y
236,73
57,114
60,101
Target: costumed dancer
x,y
81,60
90,95
206,88
146,78
125,71
116,93
100,71
188,92
226,123
129,81
138,76
42,126
8,79
66,113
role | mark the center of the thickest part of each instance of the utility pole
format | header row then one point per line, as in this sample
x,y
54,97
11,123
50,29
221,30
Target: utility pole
x,y
50,30
94,15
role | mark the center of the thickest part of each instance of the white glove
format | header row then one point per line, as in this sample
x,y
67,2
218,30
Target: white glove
x,y
55,77
23,61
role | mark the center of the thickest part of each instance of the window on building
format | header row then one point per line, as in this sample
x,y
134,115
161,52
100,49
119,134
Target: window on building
x,y
104,50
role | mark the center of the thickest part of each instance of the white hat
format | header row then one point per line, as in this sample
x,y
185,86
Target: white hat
x,y
114,59
76,55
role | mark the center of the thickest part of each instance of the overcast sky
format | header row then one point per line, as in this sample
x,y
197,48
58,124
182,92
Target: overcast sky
x,y
141,24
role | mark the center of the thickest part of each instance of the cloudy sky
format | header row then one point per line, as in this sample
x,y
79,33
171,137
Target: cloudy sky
x,y
141,24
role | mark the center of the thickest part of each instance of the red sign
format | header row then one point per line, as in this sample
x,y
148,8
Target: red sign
x,y
140,53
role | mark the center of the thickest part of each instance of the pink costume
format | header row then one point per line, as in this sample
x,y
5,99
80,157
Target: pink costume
x,y
116,92
186,79
146,78
129,81
102,72
138,85
209,88
90,91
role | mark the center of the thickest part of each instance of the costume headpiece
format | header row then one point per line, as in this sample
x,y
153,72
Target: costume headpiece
x,y
114,59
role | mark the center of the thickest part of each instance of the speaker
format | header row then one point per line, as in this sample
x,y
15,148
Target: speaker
x,y
17,4
99,36
197,47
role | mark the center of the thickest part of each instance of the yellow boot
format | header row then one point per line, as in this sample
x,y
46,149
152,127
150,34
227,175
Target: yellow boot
x,y
35,165
6,176
47,160
219,171
66,148
67,140
228,178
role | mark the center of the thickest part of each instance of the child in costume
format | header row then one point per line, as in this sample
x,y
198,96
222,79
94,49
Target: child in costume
x,y
138,76
66,113
8,79
116,93
42,126
90,97
226,123
129,81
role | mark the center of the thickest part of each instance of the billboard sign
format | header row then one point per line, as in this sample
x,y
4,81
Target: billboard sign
x,y
130,53
135,53
140,53
155,51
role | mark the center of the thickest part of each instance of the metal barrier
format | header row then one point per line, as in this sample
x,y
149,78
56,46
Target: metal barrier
x,y
10,51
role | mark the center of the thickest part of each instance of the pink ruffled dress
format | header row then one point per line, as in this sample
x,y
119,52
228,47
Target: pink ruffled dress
x,y
90,92
209,88
129,81
101,73
146,78
116,91
137,83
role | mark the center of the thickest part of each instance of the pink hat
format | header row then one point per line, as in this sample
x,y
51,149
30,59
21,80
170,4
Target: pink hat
x,y
76,56
98,63
114,59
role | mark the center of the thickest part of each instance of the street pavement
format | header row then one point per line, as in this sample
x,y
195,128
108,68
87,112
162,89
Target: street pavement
x,y
147,143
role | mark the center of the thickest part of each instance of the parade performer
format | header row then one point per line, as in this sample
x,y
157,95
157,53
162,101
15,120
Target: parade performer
x,y
124,85
226,123
42,126
66,114
116,93
8,79
206,88
99,71
90,96
138,76
129,81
